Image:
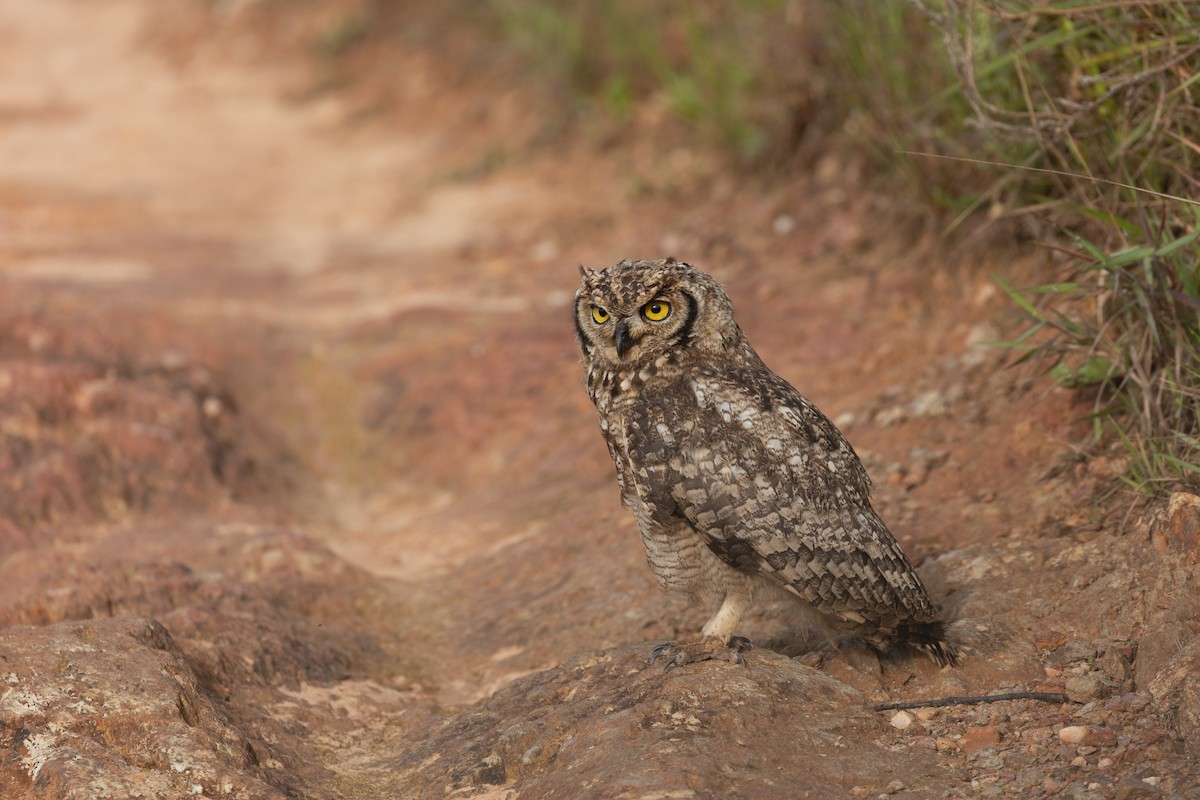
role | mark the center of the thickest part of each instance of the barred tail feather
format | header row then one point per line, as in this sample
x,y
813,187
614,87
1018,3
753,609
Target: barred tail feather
x,y
929,638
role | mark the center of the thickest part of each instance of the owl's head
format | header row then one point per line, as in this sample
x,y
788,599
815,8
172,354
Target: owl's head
x,y
635,311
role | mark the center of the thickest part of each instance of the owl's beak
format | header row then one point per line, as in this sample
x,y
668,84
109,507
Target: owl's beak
x,y
623,339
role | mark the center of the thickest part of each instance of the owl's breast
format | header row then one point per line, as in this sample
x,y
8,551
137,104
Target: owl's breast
x,y
646,412
652,434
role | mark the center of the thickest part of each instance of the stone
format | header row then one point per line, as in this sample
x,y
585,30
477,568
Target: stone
x,y
1133,788
1178,531
1082,688
1073,734
1101,738
1161,642
752,721
88,437
1114,665
1176,695
113,707
978,739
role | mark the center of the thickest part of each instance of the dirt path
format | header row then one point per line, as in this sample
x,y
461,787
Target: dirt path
x,y
302,390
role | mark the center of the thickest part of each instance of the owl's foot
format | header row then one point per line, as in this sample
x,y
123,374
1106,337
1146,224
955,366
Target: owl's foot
x,y
708,648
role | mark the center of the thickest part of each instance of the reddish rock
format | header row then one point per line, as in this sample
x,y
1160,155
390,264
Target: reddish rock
x,y
978,739
1178,529
1103,737
82,443
113,708
768,729
1176,694
1073,734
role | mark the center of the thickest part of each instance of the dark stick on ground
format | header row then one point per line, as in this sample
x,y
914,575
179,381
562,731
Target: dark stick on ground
x,y
969,700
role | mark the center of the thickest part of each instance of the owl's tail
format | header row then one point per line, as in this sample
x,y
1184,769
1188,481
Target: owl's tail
x,y
929,638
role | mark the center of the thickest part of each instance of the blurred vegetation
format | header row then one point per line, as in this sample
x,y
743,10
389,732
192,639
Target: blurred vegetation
x,y
1124,326
1082,114
1106,96
764,79
709,63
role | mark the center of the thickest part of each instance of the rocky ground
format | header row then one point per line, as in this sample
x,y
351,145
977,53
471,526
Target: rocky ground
x,y
301,495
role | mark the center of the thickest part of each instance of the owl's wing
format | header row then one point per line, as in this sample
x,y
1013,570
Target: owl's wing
x,y
774,488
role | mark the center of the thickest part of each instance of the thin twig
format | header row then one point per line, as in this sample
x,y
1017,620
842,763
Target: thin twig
x,y
1163,195
972,700
1081,10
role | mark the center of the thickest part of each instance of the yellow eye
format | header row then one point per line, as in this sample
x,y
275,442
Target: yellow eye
x,y
600,315
657,310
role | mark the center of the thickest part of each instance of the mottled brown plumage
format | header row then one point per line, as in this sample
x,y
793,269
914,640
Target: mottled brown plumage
x,y
737,482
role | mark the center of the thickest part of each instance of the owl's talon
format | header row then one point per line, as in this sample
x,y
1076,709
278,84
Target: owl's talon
x,y
707,649
658,651
740,645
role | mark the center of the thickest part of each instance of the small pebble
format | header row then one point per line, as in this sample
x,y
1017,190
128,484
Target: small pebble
x,y
1114,665
901,720
978,739
1072,734
945,745
1102,738
1082,688
895,786
926,714
989,760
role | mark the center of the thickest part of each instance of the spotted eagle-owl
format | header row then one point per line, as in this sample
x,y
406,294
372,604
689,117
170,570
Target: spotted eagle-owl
x,y
738,483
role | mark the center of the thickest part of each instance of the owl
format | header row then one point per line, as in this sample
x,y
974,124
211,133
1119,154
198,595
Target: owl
x,y
739,484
